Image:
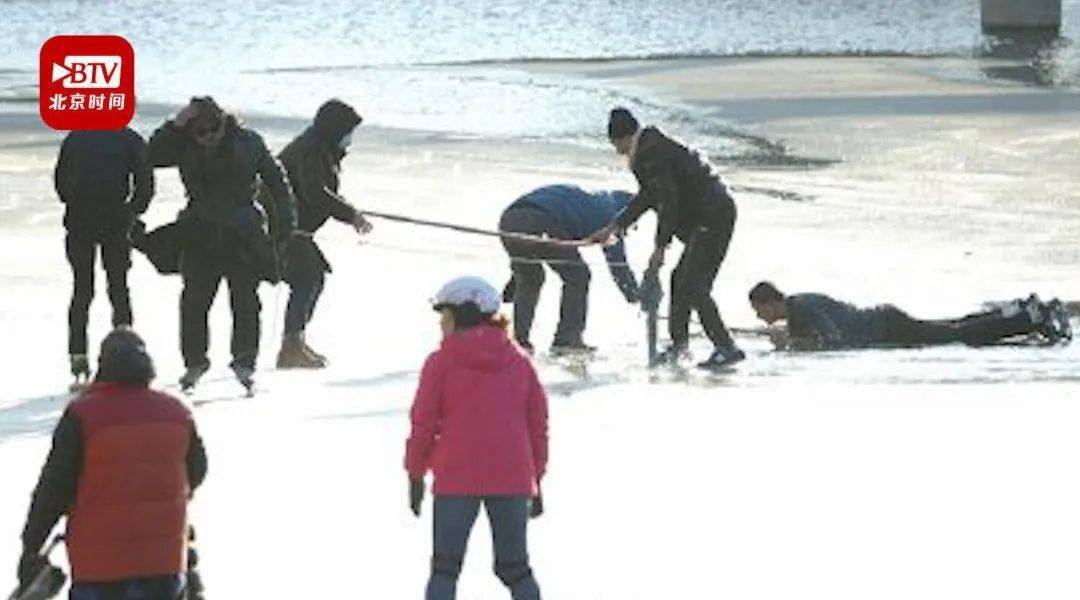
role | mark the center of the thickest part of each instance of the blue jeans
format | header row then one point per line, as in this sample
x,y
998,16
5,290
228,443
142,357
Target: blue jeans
x,y
454,518
167,587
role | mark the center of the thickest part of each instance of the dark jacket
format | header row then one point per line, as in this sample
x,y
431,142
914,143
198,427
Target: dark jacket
x,y
103,178
123,463
680,186
221,190
313,162
818,322
581,213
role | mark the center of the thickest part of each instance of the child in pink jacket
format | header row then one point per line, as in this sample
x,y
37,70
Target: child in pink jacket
x,y
479,423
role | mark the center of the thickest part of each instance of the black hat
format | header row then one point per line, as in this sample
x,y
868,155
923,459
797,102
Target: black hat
x,y
335,119
621,124
124,358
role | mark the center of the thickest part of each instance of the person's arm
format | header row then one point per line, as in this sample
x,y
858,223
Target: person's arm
x,y
538,425
633,211
59,480
319,176
196,459
659,184
62,172
142,175
811,329
273,176
620,270
166,146
426,416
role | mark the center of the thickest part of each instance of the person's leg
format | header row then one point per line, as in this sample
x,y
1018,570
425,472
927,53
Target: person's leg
x,y
996,327
509,518
116,256
573,309
679,303
528,272
80,254
702,264
901,329
244,302
202,276
453,522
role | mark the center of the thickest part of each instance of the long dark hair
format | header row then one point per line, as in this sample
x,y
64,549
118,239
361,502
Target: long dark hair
x,y
468,315
124,359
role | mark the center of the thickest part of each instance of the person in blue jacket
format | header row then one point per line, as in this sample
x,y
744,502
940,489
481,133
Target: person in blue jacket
x,y
561,212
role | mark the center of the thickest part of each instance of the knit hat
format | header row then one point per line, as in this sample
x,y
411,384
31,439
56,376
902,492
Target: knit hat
x,y
621,124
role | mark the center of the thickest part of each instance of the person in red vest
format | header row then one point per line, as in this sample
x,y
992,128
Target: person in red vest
x,y
123,464
480,424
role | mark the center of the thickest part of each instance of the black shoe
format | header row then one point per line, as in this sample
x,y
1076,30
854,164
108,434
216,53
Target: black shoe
x,y
246,376
80,366
574,349
721,358
192,376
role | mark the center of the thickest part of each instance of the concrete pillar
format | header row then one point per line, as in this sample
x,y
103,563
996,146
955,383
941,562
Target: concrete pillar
x,y
1021,14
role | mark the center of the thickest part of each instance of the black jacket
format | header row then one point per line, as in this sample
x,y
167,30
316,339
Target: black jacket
x,y
676,183
221,189
313,162
103,178
59,480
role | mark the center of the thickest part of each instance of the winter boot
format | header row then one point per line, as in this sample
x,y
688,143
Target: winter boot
x,y
672,356
294,355
311,351
575,348
246,376
192,376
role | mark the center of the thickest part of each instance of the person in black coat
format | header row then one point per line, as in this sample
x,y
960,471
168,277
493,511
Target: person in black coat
x,y
221,232
105,182
313,164
692,204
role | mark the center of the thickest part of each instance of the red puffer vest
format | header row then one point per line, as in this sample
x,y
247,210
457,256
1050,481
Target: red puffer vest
x,y
130,514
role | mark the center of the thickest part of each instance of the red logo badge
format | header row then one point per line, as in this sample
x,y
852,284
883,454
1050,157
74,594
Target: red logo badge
x,y
86,82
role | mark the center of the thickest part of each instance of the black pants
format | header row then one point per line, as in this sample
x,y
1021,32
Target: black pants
x,y
979,329
693,277
82,247
203,271
528,259
306,276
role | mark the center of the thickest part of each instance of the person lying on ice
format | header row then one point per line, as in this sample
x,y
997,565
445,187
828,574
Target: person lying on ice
x,y
480,424
818,322
564,212
123,464
313,163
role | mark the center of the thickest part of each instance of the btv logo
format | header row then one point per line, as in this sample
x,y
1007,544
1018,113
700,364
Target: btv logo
x,y
89,72
86,82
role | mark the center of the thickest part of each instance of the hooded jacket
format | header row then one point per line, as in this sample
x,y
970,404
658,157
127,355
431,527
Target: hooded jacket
x,y
581,213
680,186
313,162
479,419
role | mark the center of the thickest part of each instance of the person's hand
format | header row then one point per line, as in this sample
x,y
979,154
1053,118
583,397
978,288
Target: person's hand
x,y
30,564
656,259
416,495
779,337
186,114
604,235
536,507
361,224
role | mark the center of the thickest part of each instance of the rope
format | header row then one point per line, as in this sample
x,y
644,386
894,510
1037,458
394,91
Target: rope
x,y
525,237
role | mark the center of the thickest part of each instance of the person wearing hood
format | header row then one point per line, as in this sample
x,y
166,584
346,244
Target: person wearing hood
x,y
693,205
313,164
480,424
223,232
123,465
105,182
561,212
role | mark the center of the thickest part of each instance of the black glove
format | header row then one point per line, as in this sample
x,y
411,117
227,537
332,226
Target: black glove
x,y
537,506
630,293
30,564
416,495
